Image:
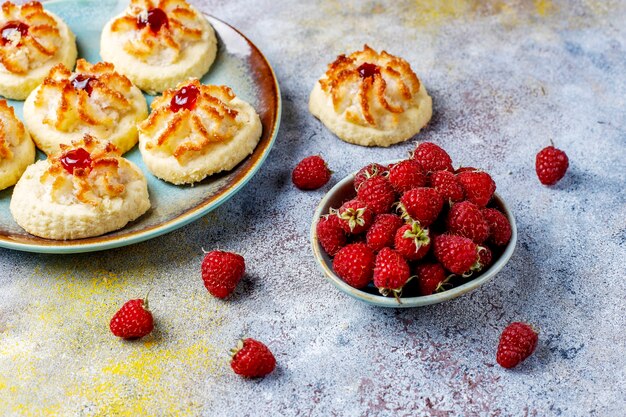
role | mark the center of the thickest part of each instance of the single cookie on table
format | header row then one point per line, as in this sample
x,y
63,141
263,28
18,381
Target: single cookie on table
x,y
95,100
371,99
159,43
197,130
32,40
17,150
86,190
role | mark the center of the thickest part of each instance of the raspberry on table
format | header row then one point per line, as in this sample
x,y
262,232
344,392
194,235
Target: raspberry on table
x,y
551,165
222,271
311,173
517,342
252,359
132,321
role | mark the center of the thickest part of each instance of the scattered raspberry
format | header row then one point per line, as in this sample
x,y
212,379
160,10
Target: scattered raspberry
x,y
432,158
378,194
330,234
311,173
421,204
431,278
252,359
456,253
412,241
222,271
551,164
391,272
356,217
383,231
406,175
478,186
369,171
499,226
517,342
466,219
133,320
447,185
355,264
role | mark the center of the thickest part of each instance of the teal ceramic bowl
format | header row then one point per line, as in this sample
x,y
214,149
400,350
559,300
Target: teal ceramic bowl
x,y
239,64
344,191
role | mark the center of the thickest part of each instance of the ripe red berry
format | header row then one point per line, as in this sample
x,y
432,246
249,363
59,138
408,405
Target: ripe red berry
x,y
551,164
421,204
378,194
368,171
485,256
406,175
517,342
133,320
330,234
222,271
412,241
478,186
447,185
457,254
311,173
466,219
355,264
383,231
499,226
431,278
252,359
356,217
432,157
391,272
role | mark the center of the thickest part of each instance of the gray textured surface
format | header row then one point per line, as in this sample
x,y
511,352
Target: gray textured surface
x,y
505,78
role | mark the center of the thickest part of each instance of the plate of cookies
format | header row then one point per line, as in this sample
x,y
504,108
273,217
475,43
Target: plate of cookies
x,y
124,120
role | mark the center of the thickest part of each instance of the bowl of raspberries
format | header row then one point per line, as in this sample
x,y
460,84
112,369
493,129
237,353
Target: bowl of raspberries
x,y
412,232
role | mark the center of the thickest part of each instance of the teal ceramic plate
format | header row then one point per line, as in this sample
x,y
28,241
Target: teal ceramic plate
x,y
344,191
239,64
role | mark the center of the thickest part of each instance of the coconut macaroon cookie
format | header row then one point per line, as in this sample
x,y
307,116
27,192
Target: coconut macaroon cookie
x,y
197,130
17,150
159,43
86,190
94,100
371,99
32,40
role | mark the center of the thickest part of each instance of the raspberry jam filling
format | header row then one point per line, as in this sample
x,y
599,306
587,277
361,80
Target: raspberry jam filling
x,y
155,18
8,30
75,158
83,82
185,98
367,70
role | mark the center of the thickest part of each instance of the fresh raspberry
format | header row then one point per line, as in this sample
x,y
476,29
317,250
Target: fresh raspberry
x,y
383,231
478,186
517,342
391,272
485,256
421,204
447,185
356,217
133,320
431,278
466,219
406,175
551,164
355,264
378,194
457,254
252,359
222,271
369,171
330,234
412,241
311,173
499,226
432,157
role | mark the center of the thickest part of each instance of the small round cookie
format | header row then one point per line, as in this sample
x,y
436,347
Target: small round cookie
x,y
197,130
159,43
371,99
32,40
17,150
86,190
94,100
